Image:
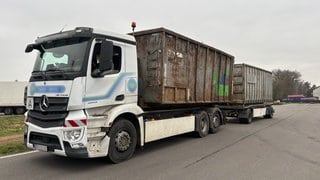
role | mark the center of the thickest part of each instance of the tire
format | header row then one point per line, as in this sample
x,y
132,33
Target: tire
x,y
268,116
243,120
123,141
20,110
247,120
8,111
216,122
203,124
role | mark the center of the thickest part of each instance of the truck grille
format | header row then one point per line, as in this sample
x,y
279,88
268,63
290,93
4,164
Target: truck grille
x,y
54,116
51,141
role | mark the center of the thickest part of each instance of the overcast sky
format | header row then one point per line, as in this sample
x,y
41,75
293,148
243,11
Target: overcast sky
x,y
271,34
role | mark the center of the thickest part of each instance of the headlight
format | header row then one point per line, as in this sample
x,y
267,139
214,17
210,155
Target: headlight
x,y
73,135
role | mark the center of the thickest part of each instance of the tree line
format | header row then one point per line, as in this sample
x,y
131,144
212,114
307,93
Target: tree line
x,y
286,82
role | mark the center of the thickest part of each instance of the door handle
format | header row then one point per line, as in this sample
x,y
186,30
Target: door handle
x,y
120,97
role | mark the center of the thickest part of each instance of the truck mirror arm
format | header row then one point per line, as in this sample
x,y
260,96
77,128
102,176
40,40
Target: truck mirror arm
x,y
31,47
96,73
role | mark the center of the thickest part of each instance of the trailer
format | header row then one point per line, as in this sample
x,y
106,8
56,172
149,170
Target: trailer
x,y
12,97
251,94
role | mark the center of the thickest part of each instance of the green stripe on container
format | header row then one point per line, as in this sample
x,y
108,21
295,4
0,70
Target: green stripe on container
x,y
226,90
215,78
221,90
215,82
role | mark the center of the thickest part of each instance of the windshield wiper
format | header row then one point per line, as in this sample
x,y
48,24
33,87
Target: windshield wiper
x,y
56,70
39,75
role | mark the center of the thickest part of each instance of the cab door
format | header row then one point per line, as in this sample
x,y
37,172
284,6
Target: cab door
x,y
108,88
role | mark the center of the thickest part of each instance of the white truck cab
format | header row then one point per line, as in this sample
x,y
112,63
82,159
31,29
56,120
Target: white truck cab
x,y
82,81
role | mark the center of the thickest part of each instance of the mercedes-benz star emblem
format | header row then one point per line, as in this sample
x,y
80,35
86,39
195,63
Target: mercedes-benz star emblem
x,y
44,103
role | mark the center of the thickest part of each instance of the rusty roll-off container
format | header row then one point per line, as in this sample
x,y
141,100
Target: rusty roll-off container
x,y
251,85
176,70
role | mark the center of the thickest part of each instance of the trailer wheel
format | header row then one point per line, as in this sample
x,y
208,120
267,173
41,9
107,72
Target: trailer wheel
x,y
123,141
216,122
268,116
20,110
202,121
8,111
248,119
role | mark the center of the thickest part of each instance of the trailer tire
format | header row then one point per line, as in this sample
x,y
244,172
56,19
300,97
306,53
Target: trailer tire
x,y
123,141
248,119
202,121
268,116
216,122
8,111
20,110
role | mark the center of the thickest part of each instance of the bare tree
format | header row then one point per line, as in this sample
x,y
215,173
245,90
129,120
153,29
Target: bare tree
x,y
287,82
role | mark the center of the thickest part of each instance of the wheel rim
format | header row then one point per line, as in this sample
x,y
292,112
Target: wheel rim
x,y
216,121
7,111
123,141
204,125
20,111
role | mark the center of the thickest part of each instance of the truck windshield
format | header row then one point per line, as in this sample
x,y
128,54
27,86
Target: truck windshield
x,y
61,56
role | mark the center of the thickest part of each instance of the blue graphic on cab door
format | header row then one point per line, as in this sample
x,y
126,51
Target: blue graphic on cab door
x,y
132,85
123,77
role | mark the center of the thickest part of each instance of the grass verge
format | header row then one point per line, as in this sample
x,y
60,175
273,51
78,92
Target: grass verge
x,y
12,148
11,125
11,135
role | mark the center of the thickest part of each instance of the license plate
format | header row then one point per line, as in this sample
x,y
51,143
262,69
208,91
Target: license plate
x,y
40,147
29,104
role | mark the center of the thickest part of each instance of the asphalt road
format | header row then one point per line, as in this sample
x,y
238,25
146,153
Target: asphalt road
x,y
285,147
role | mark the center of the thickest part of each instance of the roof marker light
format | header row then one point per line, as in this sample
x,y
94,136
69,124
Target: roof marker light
x,y
133,25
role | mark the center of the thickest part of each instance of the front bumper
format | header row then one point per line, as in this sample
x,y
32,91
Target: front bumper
x,y
53,140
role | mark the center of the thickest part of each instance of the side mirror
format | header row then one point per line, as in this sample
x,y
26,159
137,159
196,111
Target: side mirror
x,y
106,55
29,48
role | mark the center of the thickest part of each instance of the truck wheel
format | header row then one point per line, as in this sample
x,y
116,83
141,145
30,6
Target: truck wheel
x,y
216,122
123,141
203,124
20,110
8,111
